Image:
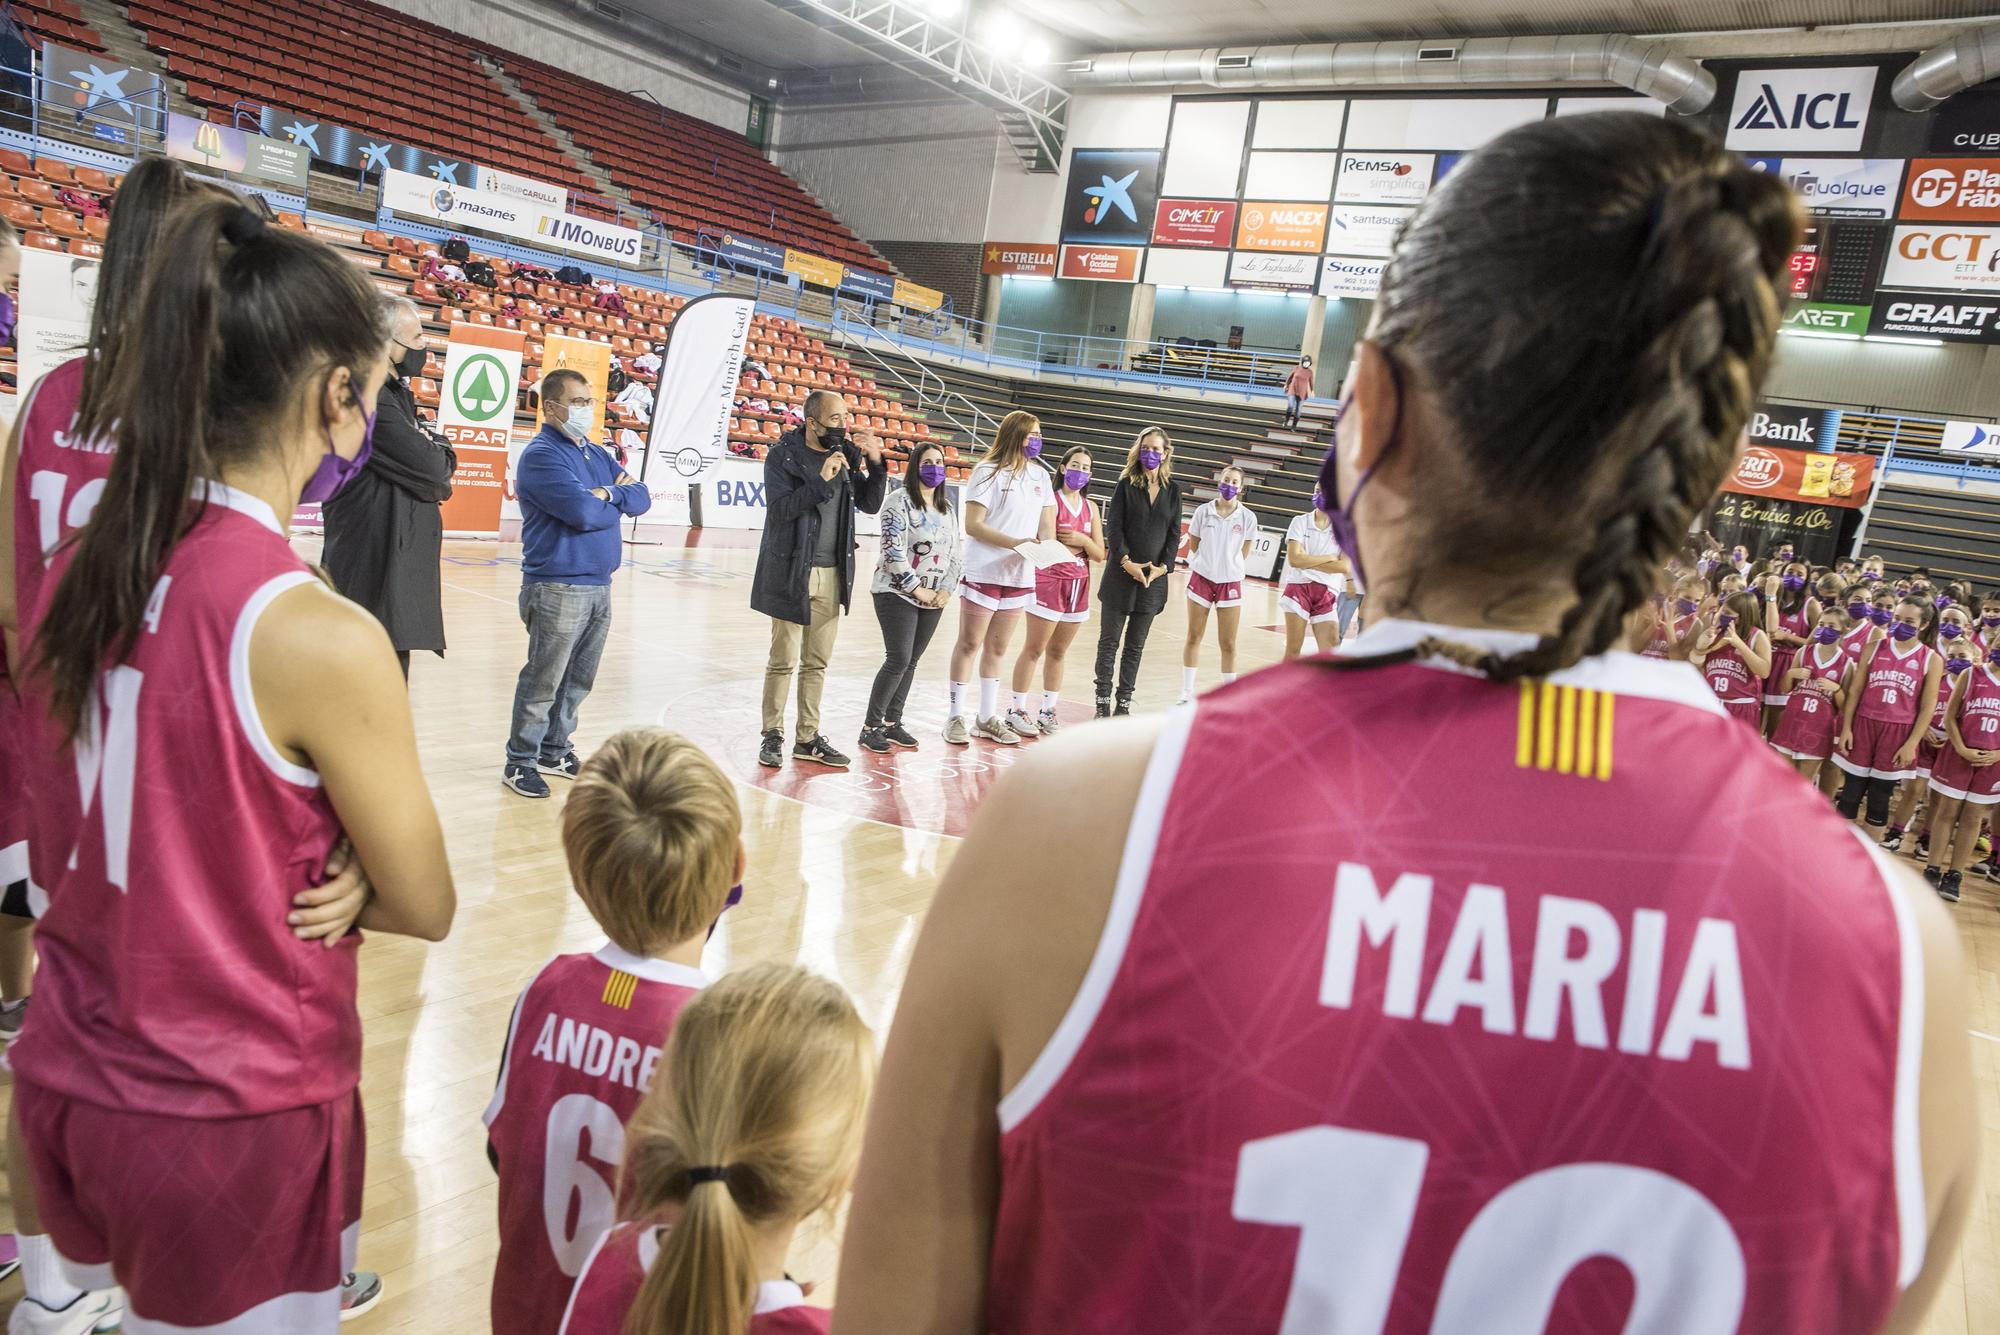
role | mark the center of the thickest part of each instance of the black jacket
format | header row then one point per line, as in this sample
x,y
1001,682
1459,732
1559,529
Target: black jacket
x,y
1147,529
384,530
793,489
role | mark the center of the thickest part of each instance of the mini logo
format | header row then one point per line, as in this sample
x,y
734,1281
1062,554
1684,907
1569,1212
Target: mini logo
x,y
1760,469
1935,188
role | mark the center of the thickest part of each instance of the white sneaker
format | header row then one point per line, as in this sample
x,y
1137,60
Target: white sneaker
x,y
995,729
97,1310
955,731
1024,725
1047,722
1184,700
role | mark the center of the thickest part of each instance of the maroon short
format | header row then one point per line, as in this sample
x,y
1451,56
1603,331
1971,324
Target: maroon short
x,y
1873,754
998,597
1954,776
1205,591
240,1224
1745,711
1310,601
1060,598
1807,727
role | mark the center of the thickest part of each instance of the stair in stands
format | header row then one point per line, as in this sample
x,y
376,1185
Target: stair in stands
x,y
605,185
125,42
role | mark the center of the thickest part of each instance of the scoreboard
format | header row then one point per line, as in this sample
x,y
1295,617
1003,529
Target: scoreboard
x,y
1840,261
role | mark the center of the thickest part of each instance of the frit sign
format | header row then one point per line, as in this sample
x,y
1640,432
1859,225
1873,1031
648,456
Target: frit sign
x,y
1815,110
1020,259
1798,475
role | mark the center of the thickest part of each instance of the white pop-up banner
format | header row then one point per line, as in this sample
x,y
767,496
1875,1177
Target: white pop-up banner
x,y
507,215
697,394
58,293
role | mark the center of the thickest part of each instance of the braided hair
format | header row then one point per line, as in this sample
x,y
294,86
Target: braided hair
x,y
1591,302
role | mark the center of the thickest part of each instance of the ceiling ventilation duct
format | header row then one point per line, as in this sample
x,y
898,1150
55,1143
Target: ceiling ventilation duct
x,y
1647,67
1970,57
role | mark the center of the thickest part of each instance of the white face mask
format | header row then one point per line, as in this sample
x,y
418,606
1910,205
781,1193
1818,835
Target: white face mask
x,y
577,423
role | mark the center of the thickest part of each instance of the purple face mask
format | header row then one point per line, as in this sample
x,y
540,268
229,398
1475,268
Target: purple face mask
x,y
1950,630
1033,449
1957,665
1902,630
1881,616
1827,634
1150,459
335,472
1857,610
931,475
1794,582
1319,500
1076,479
1340,517
1943,600
1989,622
1228,491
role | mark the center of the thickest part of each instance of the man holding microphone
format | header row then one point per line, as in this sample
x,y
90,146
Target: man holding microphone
x,y
815,478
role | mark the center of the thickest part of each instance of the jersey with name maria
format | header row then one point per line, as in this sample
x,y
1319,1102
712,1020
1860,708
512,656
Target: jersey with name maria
x,y
1545,1007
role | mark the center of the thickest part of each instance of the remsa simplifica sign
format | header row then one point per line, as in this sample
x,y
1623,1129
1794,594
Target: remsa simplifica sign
x,y
1802,110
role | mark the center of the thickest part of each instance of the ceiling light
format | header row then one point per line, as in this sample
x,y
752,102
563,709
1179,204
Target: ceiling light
x,y
1916,342
1003,34
1036,52
943,9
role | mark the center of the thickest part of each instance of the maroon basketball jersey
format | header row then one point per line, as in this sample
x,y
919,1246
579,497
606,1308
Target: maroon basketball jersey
x,y
580,1052
617,1266
178,834
56,486
1355,1056
1979,712
1893,681
1728,675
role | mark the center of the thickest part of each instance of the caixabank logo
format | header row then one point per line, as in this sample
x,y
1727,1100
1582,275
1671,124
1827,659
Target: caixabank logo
x,y
1817,110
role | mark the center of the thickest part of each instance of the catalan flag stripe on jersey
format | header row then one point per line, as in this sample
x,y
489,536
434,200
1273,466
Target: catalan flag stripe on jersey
x,y
619,989
1565,730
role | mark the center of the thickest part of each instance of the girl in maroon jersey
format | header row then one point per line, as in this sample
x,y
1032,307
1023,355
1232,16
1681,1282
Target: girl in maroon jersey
x,y
1677,620
1886,715
1815,689
752,1127
1949,638
1735,666
1790,613
1965,781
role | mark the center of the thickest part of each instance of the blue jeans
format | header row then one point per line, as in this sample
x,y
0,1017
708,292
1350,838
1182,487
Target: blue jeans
x,y
567,625
1344,607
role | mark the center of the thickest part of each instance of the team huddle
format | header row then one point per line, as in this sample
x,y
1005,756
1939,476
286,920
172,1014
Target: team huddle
x,y
1882,691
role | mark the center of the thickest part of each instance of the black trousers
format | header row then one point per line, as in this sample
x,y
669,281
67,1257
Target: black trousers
x,y
1132,628
906,633
403,658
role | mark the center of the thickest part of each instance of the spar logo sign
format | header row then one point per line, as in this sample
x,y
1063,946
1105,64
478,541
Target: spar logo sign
x,y
480,387
1759,469
1819,110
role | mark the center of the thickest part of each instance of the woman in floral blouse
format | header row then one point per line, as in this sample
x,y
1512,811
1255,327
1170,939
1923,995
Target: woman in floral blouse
x,y
922,551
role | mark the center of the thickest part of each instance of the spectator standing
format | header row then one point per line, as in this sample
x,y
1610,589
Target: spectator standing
x,y
573,493
1143,532
921,561
384,530
1298,388
815,477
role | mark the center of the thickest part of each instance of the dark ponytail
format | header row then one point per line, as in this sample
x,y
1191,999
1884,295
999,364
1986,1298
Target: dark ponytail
x,y
1591,302
222,332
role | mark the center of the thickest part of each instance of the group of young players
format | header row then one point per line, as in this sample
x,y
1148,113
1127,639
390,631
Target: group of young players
x,y
1883,690
1113,1099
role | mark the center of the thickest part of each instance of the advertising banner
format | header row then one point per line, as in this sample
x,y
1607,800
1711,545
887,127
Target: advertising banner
x,y
1208,223
1826,317
1024,259
509,216
1953,319
78,88
1762,522
756,254
1365,229
1267,225
1840,187
1102,264
1828,478
590,359
1943,256
1798,425
1351,275
697,391
495,181
1110,196
1971,438
1968,122
813,269
222,148
1383,178
879,286
58,292
476,397
339,146
733,497
915,296
1804,110
1250,268
1953,190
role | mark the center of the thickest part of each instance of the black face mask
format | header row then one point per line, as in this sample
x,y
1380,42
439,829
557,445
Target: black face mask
x,y
833,437
411,362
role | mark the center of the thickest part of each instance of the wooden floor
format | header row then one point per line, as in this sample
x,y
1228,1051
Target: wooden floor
x,y
840,874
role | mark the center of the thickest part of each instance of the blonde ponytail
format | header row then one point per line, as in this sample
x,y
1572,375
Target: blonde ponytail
x,y
755,1118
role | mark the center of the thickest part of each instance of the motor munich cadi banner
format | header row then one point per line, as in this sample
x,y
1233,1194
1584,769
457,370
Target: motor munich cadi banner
x,y
1821,478
705,346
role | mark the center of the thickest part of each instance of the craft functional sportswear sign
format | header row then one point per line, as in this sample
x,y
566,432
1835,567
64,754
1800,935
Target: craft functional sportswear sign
x,y
1110,196
1802,110
1205,223
1953,319
509,216
1944,256
1953,190
1840,187
1017,259
1383,178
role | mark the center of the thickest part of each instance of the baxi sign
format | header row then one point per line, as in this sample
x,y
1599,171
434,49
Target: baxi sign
x,y
1207,223
1809,110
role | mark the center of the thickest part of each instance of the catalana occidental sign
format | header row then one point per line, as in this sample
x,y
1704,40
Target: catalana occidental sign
x,y
507,215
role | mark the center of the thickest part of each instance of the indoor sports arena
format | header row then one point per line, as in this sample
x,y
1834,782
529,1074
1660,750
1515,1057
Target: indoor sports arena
x,y
1000,667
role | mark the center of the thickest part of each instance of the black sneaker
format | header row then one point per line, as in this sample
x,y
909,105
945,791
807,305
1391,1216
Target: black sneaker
x,y
1948,889
1103,709
899,735
771,753
820,751
1933,875
876,740
523,780
565,768
1121,709
1892,842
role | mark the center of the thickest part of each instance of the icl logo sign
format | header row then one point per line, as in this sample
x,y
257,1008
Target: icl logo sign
x,y
1822,110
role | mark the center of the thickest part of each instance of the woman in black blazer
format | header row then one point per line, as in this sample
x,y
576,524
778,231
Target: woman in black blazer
x,y
1142,529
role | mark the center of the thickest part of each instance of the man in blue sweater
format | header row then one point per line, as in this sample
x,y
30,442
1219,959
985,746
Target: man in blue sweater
x,y
573,493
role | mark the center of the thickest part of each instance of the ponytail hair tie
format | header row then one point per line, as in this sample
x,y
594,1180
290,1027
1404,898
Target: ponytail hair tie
x,y
709,1173
243,227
